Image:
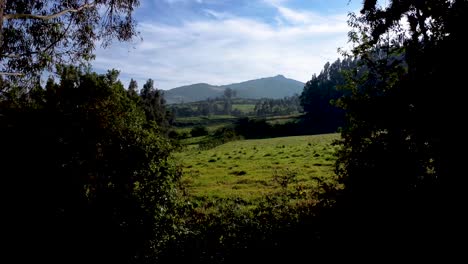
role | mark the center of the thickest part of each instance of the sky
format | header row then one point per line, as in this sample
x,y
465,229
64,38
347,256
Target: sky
x,y
183,42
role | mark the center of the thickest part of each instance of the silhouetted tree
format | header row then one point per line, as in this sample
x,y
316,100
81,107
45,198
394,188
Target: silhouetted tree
x,y
133,89
88,180
154,105
399,159
228,95
322,91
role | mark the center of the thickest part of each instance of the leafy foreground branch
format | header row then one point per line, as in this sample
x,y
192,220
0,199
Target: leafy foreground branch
x,y
89,179
289,224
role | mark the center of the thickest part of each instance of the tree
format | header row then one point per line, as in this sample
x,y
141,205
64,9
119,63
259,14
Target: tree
x,y
206,108
284,106
198,131
154,105
398,158
228,95
322,91
133,89
38,34
90,180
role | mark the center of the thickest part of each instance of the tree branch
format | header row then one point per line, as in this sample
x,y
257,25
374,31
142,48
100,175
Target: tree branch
x,y
31,16
15,56
11,74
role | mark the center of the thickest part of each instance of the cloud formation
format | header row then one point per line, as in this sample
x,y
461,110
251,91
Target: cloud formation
x,y
218,47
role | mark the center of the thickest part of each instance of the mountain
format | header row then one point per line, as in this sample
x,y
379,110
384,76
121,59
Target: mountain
x,y
270,87
192,93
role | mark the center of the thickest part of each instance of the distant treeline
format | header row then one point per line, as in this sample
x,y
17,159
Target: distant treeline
x,y
284,106
245,107
260,128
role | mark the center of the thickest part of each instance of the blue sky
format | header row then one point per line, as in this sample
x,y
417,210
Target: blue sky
x,y
226,41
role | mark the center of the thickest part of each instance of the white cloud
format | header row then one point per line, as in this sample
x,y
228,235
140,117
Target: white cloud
x,y
226,49
296,16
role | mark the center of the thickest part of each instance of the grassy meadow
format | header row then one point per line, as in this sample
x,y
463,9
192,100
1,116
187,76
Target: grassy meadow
x,y
211,123
214,122
249,169
245,108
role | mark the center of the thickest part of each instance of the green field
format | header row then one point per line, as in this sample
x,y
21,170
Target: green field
x,y
283,119
246,169
201,119
211,128
245,108
185,124
211,123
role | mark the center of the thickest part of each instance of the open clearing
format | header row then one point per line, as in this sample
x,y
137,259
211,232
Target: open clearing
x,y
246,168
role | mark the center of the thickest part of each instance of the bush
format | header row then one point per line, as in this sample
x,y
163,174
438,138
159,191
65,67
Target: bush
x,y
199,131
178,135
260,128
94,177
283,226
225,134
219,137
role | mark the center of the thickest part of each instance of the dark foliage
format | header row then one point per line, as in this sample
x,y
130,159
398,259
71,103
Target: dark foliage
x,y
321,92
199,131
87,178
403,173
154,105
259,128
220,136
279,229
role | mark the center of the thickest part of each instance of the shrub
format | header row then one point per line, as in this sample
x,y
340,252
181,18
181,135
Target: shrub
x,y
199,131
219,137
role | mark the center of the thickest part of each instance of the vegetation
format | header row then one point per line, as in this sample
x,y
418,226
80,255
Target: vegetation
x,y
285,106
97,173
237,209
199,131
238,107
37,35
321,92
154,105
398,158
245,169
280,126
92,174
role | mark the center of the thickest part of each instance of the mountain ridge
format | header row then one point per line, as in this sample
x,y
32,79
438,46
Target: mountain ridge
x,y
267,87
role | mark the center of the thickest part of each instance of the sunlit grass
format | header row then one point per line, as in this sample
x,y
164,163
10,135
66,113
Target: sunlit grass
x,y
245,108
245,169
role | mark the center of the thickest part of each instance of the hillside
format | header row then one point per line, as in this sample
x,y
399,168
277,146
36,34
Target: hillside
x,y
270,87
192,93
